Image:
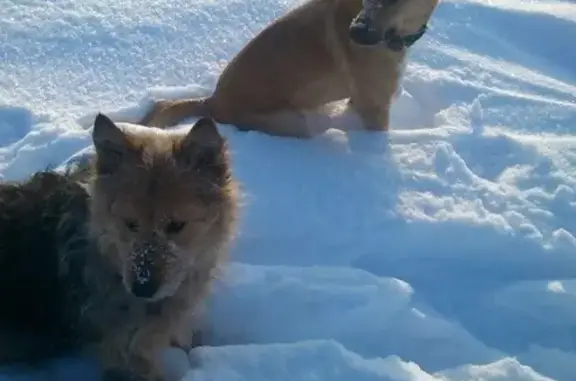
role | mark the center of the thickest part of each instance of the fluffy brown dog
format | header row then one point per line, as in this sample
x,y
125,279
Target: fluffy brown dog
x,y
320,52
124,277
163,214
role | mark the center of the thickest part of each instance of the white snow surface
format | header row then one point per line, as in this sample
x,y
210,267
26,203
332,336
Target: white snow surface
x,y
444,250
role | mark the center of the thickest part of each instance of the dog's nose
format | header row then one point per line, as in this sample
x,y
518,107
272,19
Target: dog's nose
x,y
144,288
362,34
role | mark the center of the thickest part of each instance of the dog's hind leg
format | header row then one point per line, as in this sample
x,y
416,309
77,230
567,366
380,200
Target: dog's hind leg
x,y
286,123
289,123
167,113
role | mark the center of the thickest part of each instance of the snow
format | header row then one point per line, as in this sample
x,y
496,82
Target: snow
x,y
443,251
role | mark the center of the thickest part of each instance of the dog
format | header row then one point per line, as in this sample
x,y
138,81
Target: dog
x,y
320,52
43,240
121,263
163,211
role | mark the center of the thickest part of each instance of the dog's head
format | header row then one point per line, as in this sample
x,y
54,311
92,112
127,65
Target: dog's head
x,y
397,24
162,203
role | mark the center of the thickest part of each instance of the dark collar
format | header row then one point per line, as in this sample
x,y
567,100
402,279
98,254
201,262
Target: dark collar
x,y
362,33
396,43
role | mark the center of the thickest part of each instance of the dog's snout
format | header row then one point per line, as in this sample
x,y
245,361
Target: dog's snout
x,y
362,30
144,288
362,34
145,274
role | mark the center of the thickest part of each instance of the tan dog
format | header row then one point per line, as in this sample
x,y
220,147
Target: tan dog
x,y
320,52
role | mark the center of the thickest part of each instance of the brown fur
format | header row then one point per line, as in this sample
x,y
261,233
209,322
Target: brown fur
x,y
300,62
158,203
146,182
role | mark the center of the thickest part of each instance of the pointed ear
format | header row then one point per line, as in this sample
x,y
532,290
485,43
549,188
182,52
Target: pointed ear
x,y
110,143
203,147
205,134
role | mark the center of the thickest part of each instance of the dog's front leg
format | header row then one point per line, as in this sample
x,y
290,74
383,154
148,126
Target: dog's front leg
x,y
374,76
134,367
145,362
375,117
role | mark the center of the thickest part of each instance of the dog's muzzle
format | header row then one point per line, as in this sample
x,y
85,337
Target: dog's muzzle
x,y
362,31
145,281
365,30
144,289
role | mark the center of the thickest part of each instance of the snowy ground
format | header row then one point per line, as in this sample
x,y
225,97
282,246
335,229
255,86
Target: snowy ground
x,y
447,253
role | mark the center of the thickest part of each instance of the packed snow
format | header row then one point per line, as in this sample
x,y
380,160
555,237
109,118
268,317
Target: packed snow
x,y
444,250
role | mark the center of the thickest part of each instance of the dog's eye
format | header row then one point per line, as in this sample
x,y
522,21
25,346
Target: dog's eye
x,y
132,225
174,227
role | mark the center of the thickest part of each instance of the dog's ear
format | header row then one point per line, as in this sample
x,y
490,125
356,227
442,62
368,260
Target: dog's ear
x,y
203,149
205,133
111,145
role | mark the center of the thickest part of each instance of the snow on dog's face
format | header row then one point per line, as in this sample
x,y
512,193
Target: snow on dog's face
x,y
162,203
384,21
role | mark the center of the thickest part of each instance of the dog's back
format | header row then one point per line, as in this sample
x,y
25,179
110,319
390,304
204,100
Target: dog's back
x,y
42,222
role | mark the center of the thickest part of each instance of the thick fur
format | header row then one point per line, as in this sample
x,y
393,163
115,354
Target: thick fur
x,y
147,181
43,244
278,82
160,203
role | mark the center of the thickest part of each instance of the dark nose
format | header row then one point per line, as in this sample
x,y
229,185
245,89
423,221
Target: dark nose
x,y
144,288
362,34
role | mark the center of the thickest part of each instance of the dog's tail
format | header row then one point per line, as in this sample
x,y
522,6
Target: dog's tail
x,y
168,113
